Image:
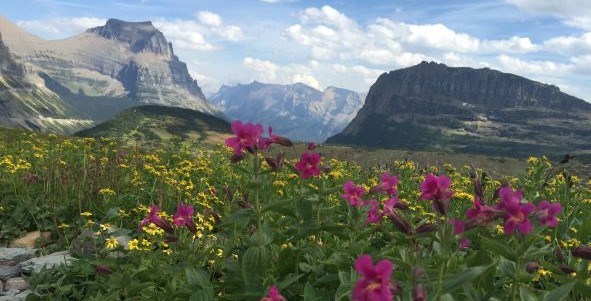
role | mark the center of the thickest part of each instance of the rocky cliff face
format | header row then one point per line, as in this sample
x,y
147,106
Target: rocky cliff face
x,y
109,68
139,36
432,106
297,111
24,104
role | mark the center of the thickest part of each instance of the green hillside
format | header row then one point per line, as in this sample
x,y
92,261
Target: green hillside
x,y
155,125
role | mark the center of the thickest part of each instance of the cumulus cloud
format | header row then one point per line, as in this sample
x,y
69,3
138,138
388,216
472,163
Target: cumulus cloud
x,y
198,34
263,71
518,66
61,27
576,13
331,35
209,18
569,45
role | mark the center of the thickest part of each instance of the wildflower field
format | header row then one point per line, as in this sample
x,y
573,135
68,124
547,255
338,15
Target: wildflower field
x,y
244,223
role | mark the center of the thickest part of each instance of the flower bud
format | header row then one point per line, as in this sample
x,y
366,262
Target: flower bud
x,y
532,266
424,228
583,252
419,293
400,223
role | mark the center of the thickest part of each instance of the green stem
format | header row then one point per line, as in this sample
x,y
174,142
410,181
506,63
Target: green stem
x,y
256,169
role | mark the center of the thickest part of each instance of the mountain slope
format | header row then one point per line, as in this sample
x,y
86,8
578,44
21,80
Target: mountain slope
x,y
151,124
26,104
432,106
297,111
109,68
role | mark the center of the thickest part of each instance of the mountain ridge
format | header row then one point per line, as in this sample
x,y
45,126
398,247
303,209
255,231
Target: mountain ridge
x,y
433,106
297,111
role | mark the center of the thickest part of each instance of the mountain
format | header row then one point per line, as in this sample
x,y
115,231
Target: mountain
x,y
109,68
297,111
26,103
160,124
432,106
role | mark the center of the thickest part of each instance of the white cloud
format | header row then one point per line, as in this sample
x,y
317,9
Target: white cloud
x,y
306,79
518,66
209,18
571,45
331,35
263,71
61,27
200,34
576,13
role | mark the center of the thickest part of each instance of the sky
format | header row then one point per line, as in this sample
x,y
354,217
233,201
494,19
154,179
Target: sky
x,y
343,43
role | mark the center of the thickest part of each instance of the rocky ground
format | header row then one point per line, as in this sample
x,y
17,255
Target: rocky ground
x,y
21,260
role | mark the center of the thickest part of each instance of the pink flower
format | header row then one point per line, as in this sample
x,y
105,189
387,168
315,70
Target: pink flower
x,y
308,165
547,213
184,217
517,216
388,185
481,215
374,215
437,190
390,205
247,136
509,197
265,143
273,295
353,193
459,228
375,283
154,218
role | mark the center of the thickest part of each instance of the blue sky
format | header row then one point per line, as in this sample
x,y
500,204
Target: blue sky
x,y
343,43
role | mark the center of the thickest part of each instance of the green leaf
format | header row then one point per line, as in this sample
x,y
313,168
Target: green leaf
x,y
275,205
240,216
559,293
289,281
343,291
526,294
254,265
309,293
500,248
463,277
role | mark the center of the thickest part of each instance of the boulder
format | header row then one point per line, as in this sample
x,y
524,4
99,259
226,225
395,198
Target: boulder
x,y
16,254
31,239
49,261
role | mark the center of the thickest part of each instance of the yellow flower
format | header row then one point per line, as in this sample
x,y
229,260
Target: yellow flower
x,y
86,214
146,243
219,253
106,191
104,227
152,229
63,226
167,251
111,243
133,244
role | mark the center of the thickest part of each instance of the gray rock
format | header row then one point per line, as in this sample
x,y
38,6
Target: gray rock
x,y
85,245
16,284
9,269
15,296
16,254
49,261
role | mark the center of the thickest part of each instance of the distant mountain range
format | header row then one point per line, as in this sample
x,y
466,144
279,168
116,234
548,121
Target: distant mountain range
x,y
297,111
94,75
433,106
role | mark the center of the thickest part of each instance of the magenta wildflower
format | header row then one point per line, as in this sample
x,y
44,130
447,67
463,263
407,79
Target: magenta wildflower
x,y
481,215
390,205
247,136
273,295
459,228
374,215
353,193
388,185
547,212
308,165
265,143
517,217
375,283
437,190
508,196
154,218
312,146
419,293
184,217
